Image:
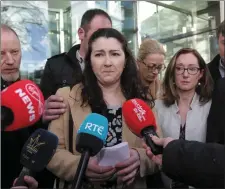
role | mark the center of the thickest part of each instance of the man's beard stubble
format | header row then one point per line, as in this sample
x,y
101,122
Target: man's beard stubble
x,y
11,77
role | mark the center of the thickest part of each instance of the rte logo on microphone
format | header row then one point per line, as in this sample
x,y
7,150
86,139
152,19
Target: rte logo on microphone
x,y
94,128
96,125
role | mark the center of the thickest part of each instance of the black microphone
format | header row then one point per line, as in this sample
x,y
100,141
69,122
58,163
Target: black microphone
x,y
36,153
6,117
90,139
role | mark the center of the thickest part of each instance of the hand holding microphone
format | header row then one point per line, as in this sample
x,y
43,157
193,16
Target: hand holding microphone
x,y
160,142
30,181
90,139
36,154
141,121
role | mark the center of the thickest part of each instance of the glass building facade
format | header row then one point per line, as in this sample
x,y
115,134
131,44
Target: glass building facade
x,y
47,28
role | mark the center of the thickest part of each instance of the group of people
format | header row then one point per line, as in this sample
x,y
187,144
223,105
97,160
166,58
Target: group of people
x,y
98,76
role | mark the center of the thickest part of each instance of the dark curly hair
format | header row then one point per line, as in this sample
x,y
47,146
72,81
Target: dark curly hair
x,y
130,81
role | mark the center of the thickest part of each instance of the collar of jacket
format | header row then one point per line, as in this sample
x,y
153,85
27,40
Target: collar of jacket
x,y
72,53
214,68
5,84
80,112
194,102
216,60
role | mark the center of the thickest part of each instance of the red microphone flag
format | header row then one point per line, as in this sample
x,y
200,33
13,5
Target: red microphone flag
x,y
138,115
26,101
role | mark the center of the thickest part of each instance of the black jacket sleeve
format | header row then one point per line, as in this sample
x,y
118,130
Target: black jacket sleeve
x,y
47,87
216,118
193,163
47,84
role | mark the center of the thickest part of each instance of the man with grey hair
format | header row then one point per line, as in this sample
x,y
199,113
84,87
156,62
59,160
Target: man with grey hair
x,y
13,141
10,56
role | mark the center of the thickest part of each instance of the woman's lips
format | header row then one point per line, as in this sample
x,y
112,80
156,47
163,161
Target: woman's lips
x,y
185,82
107,71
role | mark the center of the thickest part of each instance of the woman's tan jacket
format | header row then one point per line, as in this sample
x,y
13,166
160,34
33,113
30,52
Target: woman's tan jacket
x,y
64,164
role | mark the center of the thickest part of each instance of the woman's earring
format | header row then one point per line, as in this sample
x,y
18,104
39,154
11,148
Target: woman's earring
x,y
199,83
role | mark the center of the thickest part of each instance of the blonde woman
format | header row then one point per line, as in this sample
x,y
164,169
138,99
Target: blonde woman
x,y
187,89
150,61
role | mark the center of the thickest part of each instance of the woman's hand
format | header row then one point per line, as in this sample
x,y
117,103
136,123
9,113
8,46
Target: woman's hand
x,y
160,142
96,173
30,181
129,168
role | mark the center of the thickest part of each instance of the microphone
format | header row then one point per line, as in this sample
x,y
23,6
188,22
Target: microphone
x,y
22,105
90,139
36,153
141,121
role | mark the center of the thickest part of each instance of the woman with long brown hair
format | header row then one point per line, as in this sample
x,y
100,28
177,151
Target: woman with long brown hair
x,y
187,87
110,78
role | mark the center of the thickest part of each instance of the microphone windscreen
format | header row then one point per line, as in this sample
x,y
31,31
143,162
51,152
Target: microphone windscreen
x,y
26,102
38,150
138,115
6,117
92,134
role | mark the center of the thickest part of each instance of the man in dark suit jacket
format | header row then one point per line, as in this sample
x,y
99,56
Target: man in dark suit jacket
x,y
11,142
216,118
217,65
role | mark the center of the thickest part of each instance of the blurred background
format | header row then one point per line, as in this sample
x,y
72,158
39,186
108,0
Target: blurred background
x,y
47,28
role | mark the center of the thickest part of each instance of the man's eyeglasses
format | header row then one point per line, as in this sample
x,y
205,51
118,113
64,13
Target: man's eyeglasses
x,y
153,67
191,71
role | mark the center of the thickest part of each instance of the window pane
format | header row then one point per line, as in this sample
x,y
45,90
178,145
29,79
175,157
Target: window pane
x,y
47,28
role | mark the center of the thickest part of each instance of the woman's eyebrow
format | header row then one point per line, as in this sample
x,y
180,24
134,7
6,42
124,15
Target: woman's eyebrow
x,y
102,50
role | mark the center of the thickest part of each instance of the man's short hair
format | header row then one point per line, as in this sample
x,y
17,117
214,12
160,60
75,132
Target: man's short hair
x,y
7,28
89,15
220,29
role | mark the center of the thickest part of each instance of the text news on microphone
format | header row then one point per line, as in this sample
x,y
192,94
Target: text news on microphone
x,y
13,141
23,111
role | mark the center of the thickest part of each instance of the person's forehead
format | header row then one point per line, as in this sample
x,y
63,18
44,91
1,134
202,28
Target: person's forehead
x,y
7,32
187,58
8,35
109,40
100,21
151,56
